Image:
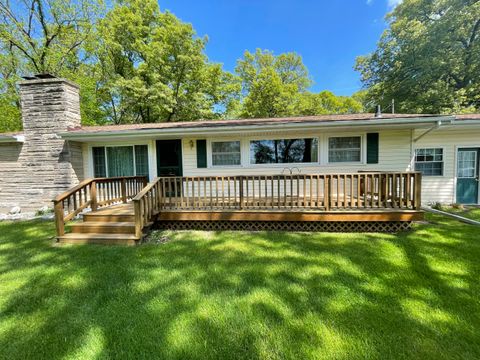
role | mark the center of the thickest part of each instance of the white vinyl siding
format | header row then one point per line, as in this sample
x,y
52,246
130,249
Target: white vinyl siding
x,y
394,155
443,188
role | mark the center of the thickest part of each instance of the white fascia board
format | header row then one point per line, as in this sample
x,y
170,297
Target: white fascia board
x,y
12,139
205,131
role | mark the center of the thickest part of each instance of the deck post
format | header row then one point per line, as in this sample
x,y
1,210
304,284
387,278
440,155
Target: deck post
x,y
327,192
240,188
59,221
138,218
124,190
93,196
418,191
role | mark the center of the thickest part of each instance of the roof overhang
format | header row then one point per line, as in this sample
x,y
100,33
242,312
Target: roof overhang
x,y
12,138
405,123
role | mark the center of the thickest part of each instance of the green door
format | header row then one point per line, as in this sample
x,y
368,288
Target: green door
x,y
169,158
467,175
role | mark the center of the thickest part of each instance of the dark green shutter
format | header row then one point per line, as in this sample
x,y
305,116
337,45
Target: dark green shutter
x,y
372,148
201,153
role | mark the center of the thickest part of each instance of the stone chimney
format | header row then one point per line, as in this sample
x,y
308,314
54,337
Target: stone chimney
x,y
48,165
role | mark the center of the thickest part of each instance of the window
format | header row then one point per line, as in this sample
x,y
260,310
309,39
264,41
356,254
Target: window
x,y
429,161
345,149
225,153
141,160
284,151
99,165
467,164
113,161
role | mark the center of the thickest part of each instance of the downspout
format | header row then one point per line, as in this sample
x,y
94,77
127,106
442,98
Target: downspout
x,y
411,150
437,125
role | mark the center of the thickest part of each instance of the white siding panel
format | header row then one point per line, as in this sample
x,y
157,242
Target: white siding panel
x,y
442,188
394,156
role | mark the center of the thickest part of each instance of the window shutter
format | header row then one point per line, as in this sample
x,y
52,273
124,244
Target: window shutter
x,y
372,148
201,153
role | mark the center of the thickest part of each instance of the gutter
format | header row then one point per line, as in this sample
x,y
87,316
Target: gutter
x,y
12,138
226,128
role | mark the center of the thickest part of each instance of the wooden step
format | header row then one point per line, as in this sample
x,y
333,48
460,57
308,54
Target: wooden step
x,y
99,217
108,239
92,227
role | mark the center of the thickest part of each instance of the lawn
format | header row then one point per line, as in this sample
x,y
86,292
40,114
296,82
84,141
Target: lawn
x,y
231,295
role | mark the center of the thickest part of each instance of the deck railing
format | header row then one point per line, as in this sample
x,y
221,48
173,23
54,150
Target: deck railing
x,y
354,191
93,194
299,192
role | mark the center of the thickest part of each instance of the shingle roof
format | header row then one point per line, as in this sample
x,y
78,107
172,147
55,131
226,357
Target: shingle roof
x,y
240,122
243,122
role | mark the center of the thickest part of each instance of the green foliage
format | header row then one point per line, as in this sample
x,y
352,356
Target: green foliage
x,y
155,69
271,84
428,58
325,102
46,36
136,64
277,86
243,295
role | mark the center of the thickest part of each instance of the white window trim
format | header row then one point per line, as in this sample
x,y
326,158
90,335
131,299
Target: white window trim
x,y
90,155
210,154
363,149
443,160
283,165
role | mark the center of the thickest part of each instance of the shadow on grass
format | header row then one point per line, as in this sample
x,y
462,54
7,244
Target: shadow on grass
x,y
239,295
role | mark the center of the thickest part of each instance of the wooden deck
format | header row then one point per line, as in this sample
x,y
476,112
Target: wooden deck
x,y
130,205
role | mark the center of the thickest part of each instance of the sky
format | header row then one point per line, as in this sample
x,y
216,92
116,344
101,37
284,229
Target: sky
x,y
328,34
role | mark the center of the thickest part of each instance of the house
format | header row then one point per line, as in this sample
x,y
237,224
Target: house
x,y
54,152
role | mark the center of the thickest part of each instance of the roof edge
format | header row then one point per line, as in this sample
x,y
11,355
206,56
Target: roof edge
x,y
193,130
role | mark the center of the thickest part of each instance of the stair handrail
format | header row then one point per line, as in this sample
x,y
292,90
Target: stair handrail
x,y
86,195
146,205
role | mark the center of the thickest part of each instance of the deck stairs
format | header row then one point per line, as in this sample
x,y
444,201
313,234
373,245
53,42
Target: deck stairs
x,y
111,225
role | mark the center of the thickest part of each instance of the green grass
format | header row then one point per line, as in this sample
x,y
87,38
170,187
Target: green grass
x,y
243,295
468,212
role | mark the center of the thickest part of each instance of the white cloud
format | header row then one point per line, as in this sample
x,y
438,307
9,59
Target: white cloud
x,y
369,2
393,3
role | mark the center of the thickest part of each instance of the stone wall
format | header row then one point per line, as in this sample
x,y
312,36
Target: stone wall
x,y
32,173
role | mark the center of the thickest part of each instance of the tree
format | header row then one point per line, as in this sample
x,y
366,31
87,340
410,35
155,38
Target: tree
x,y
271,84
155,69
325,102
428,59
274,86
44,36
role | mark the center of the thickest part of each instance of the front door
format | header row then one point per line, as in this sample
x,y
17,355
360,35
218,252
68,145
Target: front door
x,y
467,175
169,158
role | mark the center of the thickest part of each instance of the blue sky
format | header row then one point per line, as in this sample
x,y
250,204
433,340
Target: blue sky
x,y
327,34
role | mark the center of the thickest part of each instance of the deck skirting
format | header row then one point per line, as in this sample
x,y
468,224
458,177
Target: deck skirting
x,y
335,221
308,226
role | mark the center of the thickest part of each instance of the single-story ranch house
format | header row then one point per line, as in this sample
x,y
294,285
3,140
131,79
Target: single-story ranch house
x,y
54,152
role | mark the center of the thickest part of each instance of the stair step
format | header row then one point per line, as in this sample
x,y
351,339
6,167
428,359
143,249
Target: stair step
x,y
103,227
99,217
111,239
